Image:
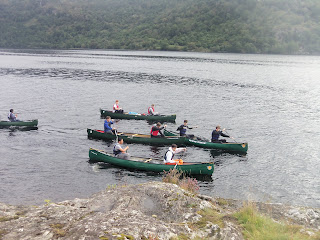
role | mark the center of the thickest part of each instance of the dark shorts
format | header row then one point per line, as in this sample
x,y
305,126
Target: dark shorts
x,y
219,141
158,136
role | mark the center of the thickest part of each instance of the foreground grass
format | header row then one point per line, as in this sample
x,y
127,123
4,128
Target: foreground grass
x,y
258,227
254,225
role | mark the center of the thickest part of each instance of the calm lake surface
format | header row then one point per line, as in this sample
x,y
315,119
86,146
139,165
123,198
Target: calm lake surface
x,y
270,101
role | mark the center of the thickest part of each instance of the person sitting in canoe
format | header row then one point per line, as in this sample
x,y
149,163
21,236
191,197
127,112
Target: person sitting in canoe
x,y
107,126
183,130
217,133
156,130
12,117
116,108
120,152
168,157
151,110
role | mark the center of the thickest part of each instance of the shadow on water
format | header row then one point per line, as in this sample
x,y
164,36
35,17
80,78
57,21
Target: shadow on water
x,y
220,157
155,149
216,153
108,142
19,128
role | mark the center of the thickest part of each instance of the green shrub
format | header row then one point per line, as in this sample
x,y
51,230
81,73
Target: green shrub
x,y
259,227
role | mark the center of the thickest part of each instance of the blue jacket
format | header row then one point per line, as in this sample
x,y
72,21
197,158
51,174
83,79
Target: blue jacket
x,y
183,129
215,135
107,125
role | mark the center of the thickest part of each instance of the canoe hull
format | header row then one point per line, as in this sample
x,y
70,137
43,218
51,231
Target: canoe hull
x,y
153,118
136,139
31,123
142,165
229,147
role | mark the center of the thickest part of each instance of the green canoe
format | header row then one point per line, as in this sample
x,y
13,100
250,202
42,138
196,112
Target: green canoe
x,y
152,165
29,123
137,138
230,147
160,118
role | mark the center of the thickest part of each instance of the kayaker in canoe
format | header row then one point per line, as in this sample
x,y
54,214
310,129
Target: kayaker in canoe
x,y
116,108
12,117
168,157
107,126
183,130
156,131
151,110
217,133
120,152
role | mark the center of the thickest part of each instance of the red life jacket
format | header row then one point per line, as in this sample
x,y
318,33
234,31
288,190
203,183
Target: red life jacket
x,y
114,107
154,133
149,112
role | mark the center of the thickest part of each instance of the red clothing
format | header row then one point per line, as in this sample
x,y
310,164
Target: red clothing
x,y
156,130
149,110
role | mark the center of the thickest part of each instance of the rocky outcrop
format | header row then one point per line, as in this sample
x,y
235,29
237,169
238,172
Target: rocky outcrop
x,y
153,210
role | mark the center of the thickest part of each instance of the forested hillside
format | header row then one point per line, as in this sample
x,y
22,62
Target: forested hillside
x,y
246,26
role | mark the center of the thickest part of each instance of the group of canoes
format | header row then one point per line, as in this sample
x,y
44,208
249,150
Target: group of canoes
x,y
121,158
156,137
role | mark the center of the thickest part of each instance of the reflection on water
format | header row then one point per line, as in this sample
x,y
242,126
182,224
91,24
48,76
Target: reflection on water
x,y
155,150
270,101
109,76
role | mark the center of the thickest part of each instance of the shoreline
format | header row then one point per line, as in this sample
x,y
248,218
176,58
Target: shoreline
x,y
141,211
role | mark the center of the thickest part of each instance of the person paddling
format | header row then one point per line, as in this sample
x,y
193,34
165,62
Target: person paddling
x,y
168,157
183,130
12,117
151,110
116,108
120,152
107,126
156,130
217,133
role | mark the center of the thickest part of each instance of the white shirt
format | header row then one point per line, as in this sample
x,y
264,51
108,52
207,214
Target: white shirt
x,y
169,154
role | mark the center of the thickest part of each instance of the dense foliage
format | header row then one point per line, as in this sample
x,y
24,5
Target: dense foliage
x,y
247,26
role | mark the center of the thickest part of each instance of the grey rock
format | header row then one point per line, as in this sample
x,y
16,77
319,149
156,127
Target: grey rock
x,y
141,211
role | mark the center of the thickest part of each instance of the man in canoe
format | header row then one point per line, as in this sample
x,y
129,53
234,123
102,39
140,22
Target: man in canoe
x,y
156,131
107,126
183,130
120,152
116,108
151,110
12,117
168,157
217,133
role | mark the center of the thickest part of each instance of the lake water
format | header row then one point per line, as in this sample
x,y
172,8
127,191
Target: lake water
x,y
270,101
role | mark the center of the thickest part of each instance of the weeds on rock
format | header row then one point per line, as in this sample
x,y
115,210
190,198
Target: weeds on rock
x,y
190,184
2,233
58,230
5,219
172,176
177,177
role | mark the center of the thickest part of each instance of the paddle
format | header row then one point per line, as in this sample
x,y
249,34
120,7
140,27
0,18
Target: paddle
x,y
116,133
230,136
